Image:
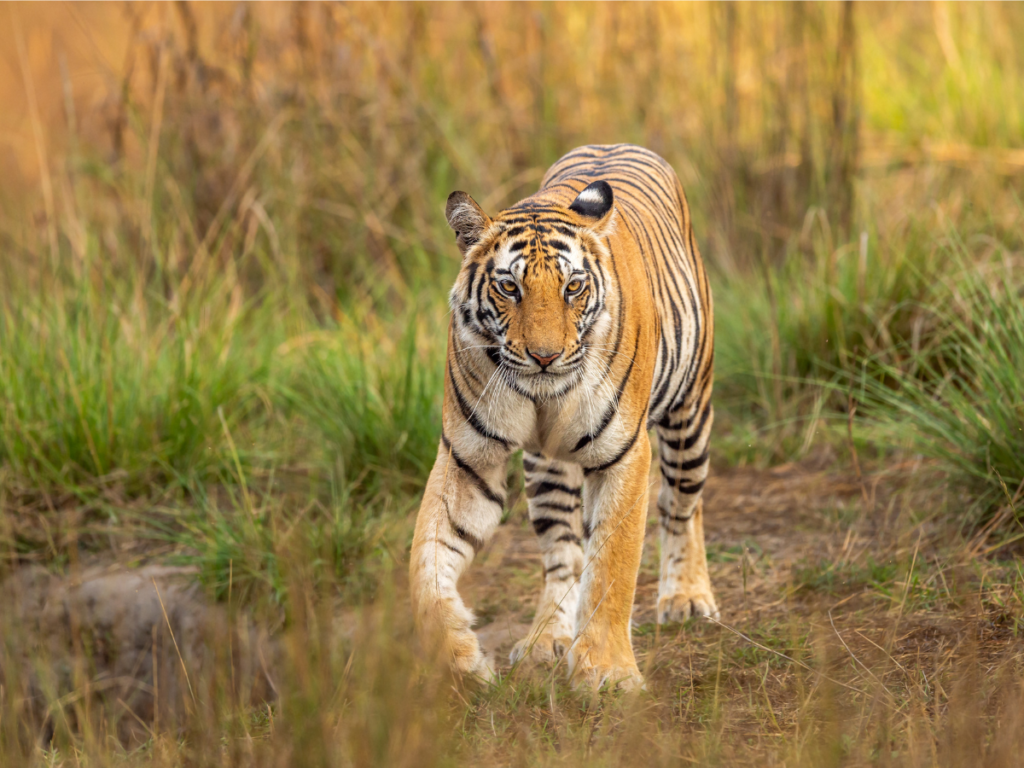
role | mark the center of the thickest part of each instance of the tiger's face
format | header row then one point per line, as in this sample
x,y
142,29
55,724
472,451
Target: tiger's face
x,y
532,289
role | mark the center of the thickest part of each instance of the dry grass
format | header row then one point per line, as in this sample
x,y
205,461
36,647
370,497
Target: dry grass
x,y
858,629
223,275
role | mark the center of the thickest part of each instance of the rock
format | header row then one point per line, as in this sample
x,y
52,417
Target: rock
x,y
142,646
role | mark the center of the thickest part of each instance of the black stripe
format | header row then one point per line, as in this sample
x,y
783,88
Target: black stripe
x,y
690,489
665,516
613,407
605,421
476,543
582,169
459,353
532,466
690,441
670,242
568,537
686,465
470,416
473,541
608,165
553,506
542,525
666,423
453,549
696,435
623,452
471,269
661,244
620,325
477,480
536,489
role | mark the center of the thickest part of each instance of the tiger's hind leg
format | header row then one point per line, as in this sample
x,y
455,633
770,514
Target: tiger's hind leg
x,y
554,490
684,588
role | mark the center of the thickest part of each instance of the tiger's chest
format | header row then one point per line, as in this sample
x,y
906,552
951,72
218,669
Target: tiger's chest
x,y
584,426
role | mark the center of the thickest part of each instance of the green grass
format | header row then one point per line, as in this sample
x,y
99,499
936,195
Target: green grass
x,y
962,395
212,431
89,394
845,578
784,331
376,402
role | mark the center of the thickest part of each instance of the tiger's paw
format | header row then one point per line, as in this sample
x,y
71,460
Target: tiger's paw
x,y
587,670
682,605
547,647
468,661
616,677
480,670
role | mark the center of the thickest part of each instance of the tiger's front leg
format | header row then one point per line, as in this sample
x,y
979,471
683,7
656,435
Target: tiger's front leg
x,y
615,514
461,507
684,589
554,489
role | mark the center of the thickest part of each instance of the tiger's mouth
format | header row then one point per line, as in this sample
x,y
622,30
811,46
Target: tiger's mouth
x,y
523,369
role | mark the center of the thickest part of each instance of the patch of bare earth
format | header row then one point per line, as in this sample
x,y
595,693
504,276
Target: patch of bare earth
x,y
865,574
822,576
758,523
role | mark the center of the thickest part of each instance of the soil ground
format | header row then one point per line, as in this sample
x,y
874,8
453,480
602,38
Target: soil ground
x,y
758,524
808,562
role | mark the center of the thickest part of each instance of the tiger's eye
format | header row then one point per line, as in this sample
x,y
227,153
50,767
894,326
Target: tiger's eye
x,y
508,286
574,286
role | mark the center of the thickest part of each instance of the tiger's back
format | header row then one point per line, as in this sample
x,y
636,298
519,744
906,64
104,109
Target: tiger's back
x,y
656,217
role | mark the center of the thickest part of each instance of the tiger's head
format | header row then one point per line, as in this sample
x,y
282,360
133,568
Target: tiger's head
x,y
532,291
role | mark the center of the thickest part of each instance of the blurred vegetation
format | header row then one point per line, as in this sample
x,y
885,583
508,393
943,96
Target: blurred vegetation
x,y
238,265
230,284
223,274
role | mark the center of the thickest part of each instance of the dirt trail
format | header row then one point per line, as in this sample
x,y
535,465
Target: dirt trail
x,y
803,557
758,523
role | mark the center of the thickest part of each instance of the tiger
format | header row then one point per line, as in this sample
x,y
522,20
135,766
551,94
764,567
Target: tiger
x,y
581,319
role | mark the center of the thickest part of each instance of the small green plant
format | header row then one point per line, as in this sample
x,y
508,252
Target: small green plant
x,y
838,578
782,649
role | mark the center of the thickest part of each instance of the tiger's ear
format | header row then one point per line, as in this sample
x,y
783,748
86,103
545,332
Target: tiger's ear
x,y
594,204
467,219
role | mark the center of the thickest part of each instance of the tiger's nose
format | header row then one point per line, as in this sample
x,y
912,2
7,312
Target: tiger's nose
x,y
543,356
